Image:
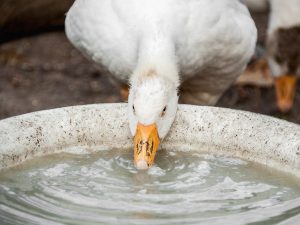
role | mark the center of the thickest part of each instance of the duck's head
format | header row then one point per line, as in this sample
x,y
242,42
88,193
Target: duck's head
x,y
152,106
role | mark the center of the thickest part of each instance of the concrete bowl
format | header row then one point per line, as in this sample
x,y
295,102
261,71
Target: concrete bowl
x,y
271,142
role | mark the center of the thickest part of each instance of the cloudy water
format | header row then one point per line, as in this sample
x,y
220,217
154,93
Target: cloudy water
x,y
181,188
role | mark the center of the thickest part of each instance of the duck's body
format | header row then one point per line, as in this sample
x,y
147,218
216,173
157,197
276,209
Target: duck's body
x,y
284,49
156,45
211,40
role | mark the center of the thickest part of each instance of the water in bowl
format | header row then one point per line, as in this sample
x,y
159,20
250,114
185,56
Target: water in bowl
x,y
181,188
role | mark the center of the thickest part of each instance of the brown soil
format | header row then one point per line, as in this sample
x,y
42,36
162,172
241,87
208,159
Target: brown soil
x,y
19,18
44,72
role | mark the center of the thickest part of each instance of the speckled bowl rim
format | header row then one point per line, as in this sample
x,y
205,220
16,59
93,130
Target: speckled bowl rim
x,y
271,142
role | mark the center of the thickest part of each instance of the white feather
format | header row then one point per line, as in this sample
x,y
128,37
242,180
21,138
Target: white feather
x,y
284,14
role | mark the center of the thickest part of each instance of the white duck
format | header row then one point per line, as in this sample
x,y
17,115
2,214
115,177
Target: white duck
x,y
284,49
157,45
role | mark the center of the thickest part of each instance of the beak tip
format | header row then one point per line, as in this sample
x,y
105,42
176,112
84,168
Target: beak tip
x,y
285,107
141,165
285,87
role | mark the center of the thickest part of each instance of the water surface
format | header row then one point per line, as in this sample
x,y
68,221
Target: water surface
x,y
181,188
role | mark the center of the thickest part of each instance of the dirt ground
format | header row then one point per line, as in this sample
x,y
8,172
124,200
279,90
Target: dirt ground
x,y
45,71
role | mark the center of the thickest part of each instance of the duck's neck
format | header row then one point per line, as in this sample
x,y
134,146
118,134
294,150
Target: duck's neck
x,y
156,57
284,14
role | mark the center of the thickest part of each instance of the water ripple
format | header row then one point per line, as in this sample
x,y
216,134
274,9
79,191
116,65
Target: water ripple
x,y
181,188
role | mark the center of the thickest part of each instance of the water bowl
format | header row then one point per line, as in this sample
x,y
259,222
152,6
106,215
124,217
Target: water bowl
x,y
216,166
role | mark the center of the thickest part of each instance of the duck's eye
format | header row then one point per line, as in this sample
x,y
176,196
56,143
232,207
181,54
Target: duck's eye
x,y
133,109
164,111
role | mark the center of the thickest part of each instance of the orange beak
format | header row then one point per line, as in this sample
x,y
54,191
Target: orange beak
x,y
146,142
285,92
